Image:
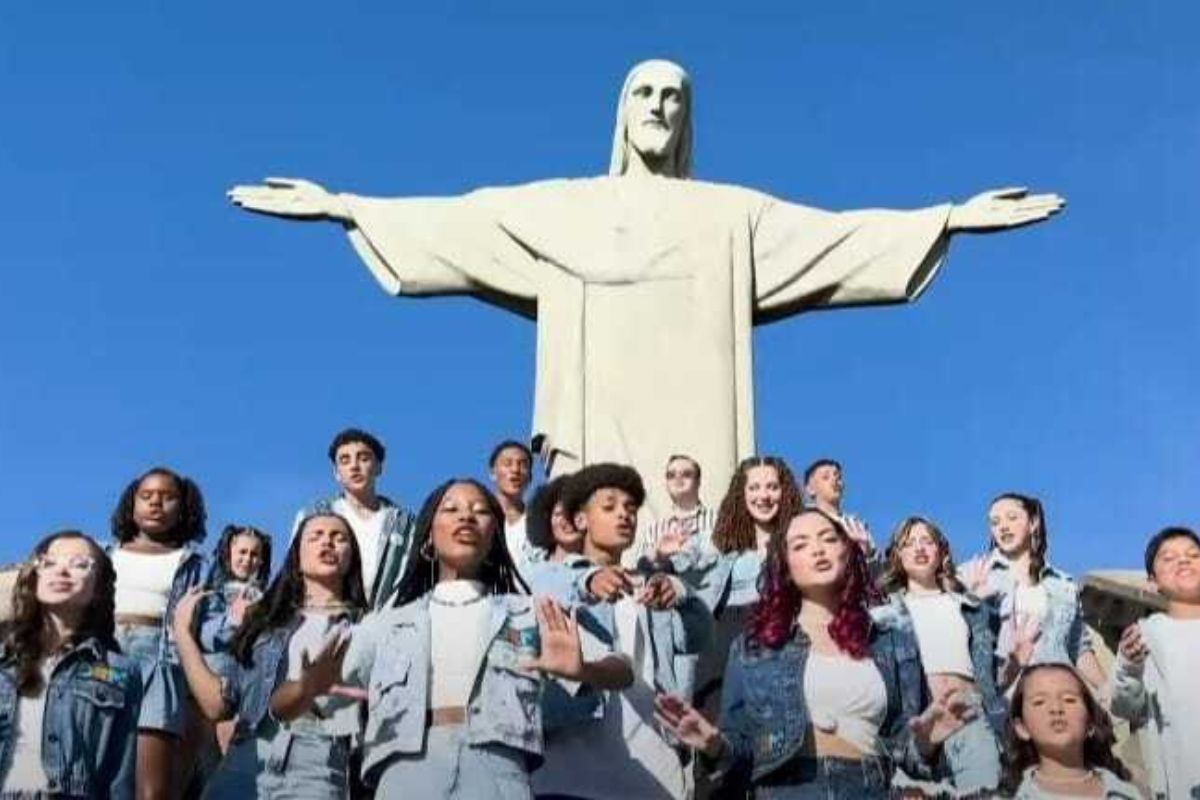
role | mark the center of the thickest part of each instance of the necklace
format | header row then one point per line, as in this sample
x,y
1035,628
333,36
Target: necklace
x,y
328,605
455,603
1079,779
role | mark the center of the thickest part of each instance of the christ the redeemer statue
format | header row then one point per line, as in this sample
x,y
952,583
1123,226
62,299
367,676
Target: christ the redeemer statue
x,y
645,283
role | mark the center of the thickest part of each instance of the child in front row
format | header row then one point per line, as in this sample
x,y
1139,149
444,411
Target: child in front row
x,y
1158,661
1059,741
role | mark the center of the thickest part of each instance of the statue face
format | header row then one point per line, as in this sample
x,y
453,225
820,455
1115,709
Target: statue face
x,y
655,111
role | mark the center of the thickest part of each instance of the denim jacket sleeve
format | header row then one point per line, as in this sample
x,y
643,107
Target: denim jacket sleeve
x,y
216,628
732,768
121,770
1130,699
906,700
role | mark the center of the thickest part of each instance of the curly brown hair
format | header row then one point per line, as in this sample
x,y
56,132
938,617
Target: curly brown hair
x,y
23,637
1020,754
734,529
895,579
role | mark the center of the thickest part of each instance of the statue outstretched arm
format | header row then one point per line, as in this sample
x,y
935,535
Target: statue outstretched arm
x,y
291,198
1002,209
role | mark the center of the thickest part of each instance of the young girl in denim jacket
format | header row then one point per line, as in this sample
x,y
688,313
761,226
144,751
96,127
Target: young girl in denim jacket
x,y
1040,615
452,671
1059,740
818,701
157,527
956,639
241,567
295,727
69,700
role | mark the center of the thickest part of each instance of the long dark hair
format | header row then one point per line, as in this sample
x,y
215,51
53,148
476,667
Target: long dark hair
x,y
539,528
24,633
895,579
285,596
773,618
734,529
221,571
498,574
1020,754
1039,538
189,528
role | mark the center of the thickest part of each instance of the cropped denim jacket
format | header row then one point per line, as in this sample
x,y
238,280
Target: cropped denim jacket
x,y
1063,636
389,654
247,690
89,735
764,718
983,622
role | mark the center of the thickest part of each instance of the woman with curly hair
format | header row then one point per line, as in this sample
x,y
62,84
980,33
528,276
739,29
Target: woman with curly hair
x,y
1041,619
68,699
761,500
817,701
157,526
1059,740
453,669
295,727
956,638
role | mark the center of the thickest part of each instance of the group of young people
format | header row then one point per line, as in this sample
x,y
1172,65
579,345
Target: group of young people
x,y
564,647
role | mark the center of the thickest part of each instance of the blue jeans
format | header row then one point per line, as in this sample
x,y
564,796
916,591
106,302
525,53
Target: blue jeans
x,y
451,769
284,766
827,779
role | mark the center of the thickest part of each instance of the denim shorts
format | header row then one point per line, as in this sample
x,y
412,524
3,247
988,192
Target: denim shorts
x,y
283,765
828,779
453,769
164,690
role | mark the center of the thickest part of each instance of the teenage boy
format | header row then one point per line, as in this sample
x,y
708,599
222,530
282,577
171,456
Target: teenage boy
x,y
621,753
1154,684
382,528
511,467
825,486
686,529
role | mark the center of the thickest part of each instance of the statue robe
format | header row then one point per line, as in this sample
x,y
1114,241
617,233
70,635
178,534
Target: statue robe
x,y
645,291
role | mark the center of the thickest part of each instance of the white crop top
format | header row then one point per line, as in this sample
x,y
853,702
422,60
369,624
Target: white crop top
x,y
846,697
144,580
942,634
459,616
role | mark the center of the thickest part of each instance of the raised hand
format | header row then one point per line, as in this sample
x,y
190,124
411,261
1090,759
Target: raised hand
x,y
861,534
671,541
689,726
561,650
609,584
974,574
292,198
940,720
237,609
319,675
658,593
1027,629
1001,209
1133,647
185,612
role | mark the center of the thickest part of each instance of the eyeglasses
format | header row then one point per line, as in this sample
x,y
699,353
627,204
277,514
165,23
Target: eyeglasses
x,y
680,473
79,565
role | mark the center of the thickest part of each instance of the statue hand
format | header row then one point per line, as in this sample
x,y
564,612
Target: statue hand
x,y
292,198
1001,209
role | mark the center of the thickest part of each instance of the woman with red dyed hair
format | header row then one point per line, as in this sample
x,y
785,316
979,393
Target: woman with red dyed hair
x,y
817,702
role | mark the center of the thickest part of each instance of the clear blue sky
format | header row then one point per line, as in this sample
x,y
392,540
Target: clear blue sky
x,y
144,320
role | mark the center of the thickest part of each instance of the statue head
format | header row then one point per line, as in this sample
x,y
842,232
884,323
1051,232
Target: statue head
x,y
654,120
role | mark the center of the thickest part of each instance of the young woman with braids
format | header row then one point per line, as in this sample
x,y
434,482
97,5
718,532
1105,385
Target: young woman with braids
x,y
1040,615
1060,741
956,638
452,670
817,701
295,727
157,526
761,500
69,700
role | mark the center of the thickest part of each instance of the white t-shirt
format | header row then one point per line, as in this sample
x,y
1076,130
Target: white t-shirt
x,y
1175,647
458,627
368,532
846,697
623,756
517,540
942,634
25,772
333,714
144,580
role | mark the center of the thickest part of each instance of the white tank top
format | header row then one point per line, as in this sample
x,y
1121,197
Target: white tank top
x,y
144,580
846,697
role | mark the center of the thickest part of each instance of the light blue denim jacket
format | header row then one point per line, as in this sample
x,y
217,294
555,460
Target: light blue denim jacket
x,y
1063,637
983,623
389,654
764,718
89,735
247,689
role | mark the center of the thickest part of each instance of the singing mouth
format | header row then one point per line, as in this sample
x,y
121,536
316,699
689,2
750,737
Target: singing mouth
x,y
823,565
